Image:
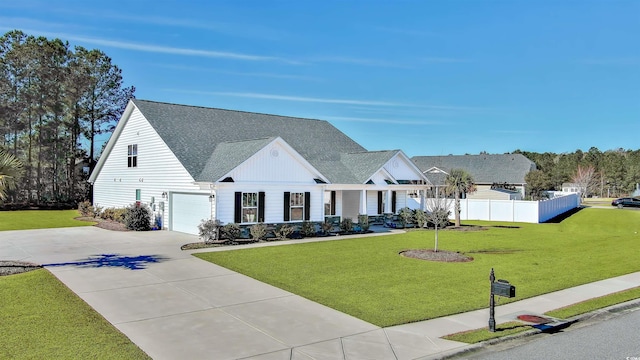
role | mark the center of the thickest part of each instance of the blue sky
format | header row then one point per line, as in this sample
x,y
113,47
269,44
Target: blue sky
x,y
427,77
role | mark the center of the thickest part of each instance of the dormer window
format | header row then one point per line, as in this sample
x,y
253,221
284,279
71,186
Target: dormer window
x,y
132,155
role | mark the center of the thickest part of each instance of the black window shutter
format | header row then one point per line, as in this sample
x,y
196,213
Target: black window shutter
x,y
380,209
237,215
333,203
307,205
261,206
393,202
287,197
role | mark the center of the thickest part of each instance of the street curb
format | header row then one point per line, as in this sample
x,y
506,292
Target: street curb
x,y
595,315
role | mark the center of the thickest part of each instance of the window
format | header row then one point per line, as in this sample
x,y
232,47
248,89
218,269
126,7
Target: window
x,y
132,155
329,203
249,207
296,206
138,195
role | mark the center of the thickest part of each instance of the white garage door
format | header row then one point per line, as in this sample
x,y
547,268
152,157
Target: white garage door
x,y
188,210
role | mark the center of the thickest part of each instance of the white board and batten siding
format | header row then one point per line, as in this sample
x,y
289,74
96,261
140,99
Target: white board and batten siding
x,y
401,168
274,170
157,171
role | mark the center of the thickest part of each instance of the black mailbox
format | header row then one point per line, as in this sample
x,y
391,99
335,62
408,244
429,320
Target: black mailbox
x,y
503,288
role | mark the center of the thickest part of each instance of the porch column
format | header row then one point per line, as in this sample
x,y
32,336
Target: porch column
x,y
423,199
387,203
363,202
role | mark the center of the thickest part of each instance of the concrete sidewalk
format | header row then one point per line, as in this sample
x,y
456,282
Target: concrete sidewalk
x,y
174,305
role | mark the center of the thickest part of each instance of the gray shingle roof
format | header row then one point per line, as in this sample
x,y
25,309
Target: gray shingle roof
x,y
485,168
205,139
365,164
228,155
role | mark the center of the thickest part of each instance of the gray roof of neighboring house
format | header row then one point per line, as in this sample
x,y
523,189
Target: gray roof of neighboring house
x,y
210,142
485,168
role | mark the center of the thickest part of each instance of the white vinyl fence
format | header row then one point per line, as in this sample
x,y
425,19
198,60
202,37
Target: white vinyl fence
x,y
511,210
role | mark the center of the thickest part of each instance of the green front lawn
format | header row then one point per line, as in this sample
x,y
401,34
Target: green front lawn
x,y
40,318
40,219
366,277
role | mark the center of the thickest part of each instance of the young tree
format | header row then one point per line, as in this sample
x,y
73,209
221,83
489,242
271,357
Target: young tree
x,y
585,179
11,170
459,182
437,212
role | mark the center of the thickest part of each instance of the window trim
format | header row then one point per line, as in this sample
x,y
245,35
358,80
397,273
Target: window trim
x,y
132,156
297,203
246,208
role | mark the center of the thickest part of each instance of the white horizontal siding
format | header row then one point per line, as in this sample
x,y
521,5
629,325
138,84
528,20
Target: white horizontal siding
x,y
274,200
158,169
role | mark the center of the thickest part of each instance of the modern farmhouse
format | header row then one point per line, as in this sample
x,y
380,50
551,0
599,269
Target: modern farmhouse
x,y
192,163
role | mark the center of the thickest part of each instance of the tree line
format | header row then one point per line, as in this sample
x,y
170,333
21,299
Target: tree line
x,y
54,103
610,173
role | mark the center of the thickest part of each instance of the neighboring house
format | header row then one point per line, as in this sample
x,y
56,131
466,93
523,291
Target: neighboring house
x,y
192,163
498,177
570,188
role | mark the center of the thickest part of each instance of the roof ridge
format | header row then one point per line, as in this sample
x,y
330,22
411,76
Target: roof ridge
x,y
246,140
230,110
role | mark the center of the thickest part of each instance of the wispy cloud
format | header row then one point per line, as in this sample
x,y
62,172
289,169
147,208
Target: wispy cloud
x,y
158,49
238,73
381,121
444,60
357,61
294,98
234,29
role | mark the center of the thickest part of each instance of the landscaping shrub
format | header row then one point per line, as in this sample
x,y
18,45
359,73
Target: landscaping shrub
x,y
363,221
326,227
283,231
86,209
308,229
420,218
208,230
346,225
230,231
137,217
258,231
406,216
114,214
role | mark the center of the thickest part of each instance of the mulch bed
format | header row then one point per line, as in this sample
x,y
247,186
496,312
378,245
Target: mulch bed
x,y
11,267
441,255
105,224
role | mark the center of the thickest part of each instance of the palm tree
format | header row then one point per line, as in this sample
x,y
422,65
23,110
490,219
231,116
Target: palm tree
x,y
11,171
459,182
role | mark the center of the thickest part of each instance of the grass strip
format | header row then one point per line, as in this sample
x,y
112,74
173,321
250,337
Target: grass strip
x,y
40,318
514,327
595,304
40,219
479,335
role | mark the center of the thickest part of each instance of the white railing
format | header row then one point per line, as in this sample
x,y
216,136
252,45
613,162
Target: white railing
x,y
511,210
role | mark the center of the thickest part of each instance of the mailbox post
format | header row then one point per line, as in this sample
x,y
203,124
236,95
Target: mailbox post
x,y
500,288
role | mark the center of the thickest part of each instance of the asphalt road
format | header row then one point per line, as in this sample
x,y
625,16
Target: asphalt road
x,y
609,336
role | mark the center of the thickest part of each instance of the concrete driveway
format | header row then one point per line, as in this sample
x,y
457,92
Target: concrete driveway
x,y
174,305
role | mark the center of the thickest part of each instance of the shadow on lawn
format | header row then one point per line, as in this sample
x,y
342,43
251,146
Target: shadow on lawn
x,y
114,260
